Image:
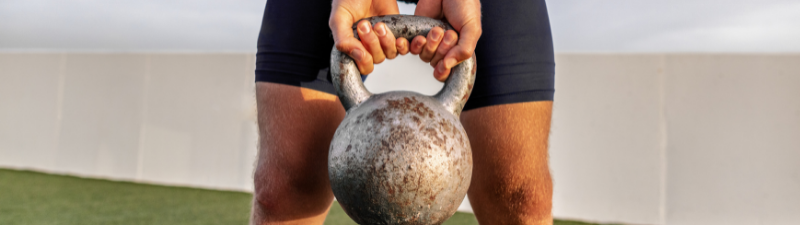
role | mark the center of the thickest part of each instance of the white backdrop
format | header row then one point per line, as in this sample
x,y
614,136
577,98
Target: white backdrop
x,y
636,138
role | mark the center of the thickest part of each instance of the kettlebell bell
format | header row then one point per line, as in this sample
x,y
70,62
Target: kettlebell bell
x,y
400,157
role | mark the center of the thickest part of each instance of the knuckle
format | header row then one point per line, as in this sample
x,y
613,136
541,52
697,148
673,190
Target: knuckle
x,y
341,46
388,43
443,50
388,47
431,46
465,53
366,37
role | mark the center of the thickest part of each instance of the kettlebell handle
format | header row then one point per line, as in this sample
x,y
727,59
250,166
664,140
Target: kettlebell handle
x,y
351,90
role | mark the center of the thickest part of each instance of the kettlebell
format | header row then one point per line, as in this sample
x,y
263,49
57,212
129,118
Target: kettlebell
x,y
400,157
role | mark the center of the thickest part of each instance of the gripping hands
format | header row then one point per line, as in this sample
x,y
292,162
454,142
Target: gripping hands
x,y
442,49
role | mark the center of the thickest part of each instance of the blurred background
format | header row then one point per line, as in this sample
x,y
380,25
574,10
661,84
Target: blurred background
x,y
666,112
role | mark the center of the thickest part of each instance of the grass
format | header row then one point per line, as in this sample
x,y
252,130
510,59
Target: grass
x,y
43,199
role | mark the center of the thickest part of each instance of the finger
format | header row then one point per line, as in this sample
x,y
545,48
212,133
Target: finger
x,y
463,50
341,25
434,38
355,50
417,44
402,46
449,40
386,39
440,72
370,41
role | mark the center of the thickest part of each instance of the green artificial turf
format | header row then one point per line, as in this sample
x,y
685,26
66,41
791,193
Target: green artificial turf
x,y
43,199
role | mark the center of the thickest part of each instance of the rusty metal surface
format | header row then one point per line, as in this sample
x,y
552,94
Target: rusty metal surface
x,y
400,157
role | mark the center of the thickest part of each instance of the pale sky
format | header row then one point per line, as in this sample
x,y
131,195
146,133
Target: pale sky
x,y
233,25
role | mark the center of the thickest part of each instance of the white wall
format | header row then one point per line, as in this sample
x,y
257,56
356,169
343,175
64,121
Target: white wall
x,y
636,138
606,142
183,119
734,139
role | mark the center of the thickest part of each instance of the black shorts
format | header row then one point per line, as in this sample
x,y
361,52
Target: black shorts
x,y
514,54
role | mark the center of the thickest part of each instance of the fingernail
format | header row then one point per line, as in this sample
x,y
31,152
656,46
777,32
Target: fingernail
x,y
440,68
381,30
435,35
356,54
450,62
364,28
449,39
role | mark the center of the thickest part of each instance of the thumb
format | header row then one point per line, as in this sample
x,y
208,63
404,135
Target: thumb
x,y
341,24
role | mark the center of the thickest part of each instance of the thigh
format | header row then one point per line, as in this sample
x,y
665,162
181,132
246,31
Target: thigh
x,y
296,126
510,180
514,55
294,44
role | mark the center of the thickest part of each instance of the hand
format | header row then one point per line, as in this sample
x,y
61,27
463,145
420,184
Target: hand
x,y
443,49
377,42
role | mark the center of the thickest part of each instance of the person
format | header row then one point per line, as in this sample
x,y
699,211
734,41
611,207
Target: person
x,y
507,117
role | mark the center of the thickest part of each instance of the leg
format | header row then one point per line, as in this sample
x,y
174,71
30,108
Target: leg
x,y
296,126
511,181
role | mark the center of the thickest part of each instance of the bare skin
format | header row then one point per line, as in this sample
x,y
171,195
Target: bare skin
x,y
511,181
296,126
443,50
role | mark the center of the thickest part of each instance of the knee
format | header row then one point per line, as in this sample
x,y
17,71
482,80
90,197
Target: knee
x,y
277,190
517,200
529,201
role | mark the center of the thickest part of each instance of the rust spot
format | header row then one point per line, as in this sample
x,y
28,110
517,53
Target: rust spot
x,y
385,143
377,115
401,144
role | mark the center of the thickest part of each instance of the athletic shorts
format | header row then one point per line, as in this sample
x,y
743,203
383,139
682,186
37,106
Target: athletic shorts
x,y
514,54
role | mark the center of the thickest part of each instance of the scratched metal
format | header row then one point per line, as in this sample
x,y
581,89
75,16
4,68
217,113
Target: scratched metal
x,y
400,157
